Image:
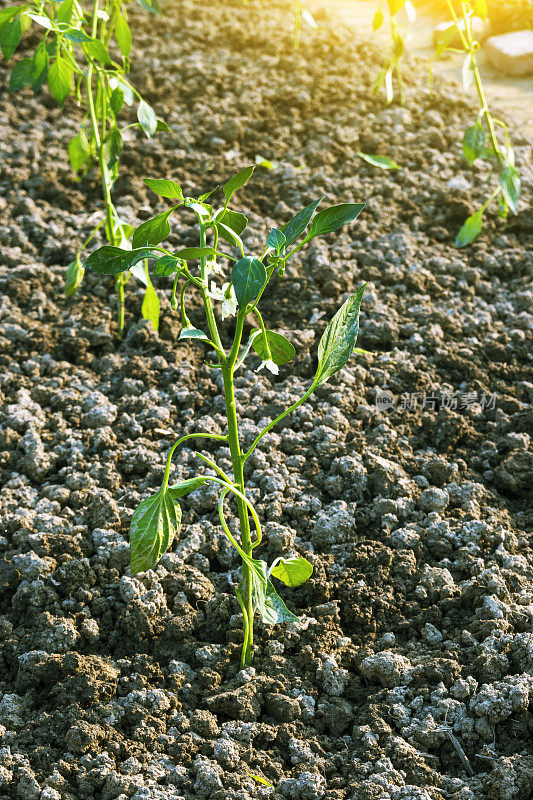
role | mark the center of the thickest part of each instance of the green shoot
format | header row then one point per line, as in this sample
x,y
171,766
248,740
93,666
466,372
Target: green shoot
x,y
235,291
392,67
480,141
85,55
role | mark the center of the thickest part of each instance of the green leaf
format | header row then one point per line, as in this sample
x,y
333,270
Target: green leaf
x,y
248,277
147,118
234,220
108,260
59,75
259,779
162,126
166,265
377,22
181,489
79,151
98,51
276,239
473,142
78,36
331,219
64,11
10,37
338,340
150,306
165,188
261,161
510,183
273,610
151,5
116,101
470,229
292,571
21,75
8,13
395,5
297,225
194,253
40,62
153,231
281,350
112,147
237,182
193,333
42,20
229,236
73,277
383,162
153,527
123,35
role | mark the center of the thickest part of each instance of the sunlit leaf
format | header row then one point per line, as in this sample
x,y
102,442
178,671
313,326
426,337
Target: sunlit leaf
x,y
331,219
297,225
150,306
473,142
276,239
123,35
153,231
470,229
292,571
510,185
281,350
108,260
237,182
338,340
59,79
165,188
193,333
153,527
383,162
248,277
79,150
147,118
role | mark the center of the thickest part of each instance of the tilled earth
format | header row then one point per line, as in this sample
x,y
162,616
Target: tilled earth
x,y
408,675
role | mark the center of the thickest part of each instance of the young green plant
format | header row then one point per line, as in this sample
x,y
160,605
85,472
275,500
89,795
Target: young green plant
x,y
85,54
157,518
392,66
300,12
480,141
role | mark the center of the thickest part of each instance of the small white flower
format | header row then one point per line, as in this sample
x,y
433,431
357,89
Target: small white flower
x,y
229,304
274,369
227,295
212,266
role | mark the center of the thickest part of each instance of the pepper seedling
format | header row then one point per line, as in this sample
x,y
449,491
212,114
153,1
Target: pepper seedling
x,y
86,55
392,66
475,145
158,517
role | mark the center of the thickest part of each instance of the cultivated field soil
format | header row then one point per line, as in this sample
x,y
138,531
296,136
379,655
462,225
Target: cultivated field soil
x,y
409,673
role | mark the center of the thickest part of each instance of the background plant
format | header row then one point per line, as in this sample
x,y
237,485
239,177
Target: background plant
x,y
157,518
301,13
480,141
74,58
392,67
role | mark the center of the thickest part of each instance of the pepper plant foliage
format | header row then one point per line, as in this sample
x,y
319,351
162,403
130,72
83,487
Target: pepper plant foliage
x,y
480,140
158,517
85,54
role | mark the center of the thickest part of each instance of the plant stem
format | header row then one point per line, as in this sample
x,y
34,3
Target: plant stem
x,y
104,173
237,460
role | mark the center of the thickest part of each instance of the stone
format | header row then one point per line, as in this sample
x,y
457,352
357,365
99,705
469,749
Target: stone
x,y
511,53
